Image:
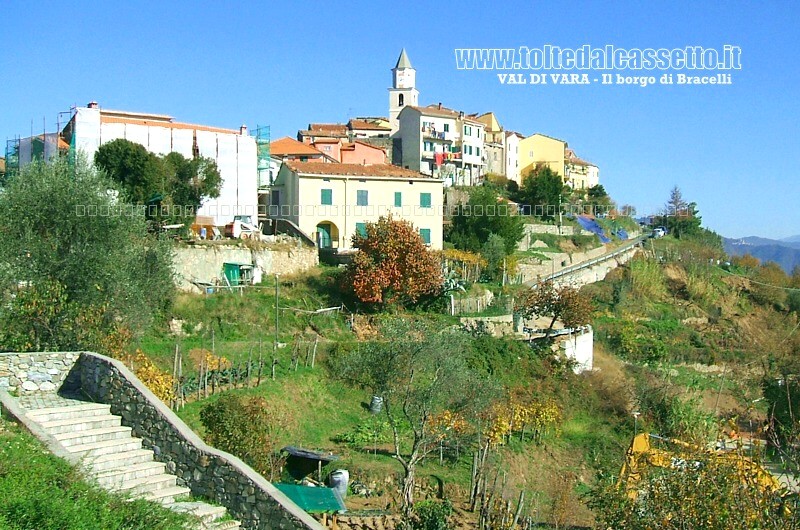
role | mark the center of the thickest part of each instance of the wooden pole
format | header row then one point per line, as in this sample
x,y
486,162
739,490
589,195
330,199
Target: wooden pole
x,y
260,361
314,351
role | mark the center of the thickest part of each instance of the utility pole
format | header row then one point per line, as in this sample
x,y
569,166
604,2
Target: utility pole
x,y
560,220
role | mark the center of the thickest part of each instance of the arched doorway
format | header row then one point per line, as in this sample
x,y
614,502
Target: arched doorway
x,y
327,235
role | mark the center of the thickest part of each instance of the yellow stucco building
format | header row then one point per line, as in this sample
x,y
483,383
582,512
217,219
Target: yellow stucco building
x,y
539,149
332,202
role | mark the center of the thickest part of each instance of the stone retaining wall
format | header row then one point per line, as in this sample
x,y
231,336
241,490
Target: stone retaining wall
x,y
208,472
203,263
27,373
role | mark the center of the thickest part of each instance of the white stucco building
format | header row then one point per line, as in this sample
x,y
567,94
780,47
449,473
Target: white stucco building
x,y
511,148
233,150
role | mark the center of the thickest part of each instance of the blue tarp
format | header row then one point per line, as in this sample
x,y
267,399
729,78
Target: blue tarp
x,y
622,234
589,224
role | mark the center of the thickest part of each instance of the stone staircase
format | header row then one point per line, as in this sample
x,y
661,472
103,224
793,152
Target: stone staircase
x,y
114,458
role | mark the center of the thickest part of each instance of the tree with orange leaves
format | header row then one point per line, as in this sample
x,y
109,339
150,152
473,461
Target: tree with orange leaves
x,y
392,265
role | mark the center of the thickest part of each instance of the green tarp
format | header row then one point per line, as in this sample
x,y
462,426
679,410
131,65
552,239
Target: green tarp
x,y
313,500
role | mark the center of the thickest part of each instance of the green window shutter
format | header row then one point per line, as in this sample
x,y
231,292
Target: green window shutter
x,y
425,200
361,229
398,199
326,198
362,198
425,234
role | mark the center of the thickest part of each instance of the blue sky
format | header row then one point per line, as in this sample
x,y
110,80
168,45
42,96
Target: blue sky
x,y
729,148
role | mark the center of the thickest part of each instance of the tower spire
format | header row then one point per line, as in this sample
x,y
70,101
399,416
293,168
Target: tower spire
x,y
402,61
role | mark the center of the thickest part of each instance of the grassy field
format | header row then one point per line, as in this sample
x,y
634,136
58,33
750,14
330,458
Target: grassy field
x,y
39,491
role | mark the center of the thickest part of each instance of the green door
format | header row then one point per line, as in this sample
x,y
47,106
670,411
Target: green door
x,y
324,235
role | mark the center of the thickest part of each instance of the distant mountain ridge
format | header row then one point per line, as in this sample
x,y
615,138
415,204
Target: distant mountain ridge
x,y
784,252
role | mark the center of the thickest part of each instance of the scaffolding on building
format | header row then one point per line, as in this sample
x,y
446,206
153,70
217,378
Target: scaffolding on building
x,y
12,157
262,152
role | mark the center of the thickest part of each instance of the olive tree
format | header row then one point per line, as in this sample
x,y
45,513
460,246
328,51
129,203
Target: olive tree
x,y
422,375
75,259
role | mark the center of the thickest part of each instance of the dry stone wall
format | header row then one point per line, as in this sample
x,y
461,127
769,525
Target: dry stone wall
x,y
208,472
27,373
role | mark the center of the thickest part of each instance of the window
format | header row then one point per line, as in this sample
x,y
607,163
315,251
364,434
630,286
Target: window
x,y
478,151
425,200
361,198
326,148
446,127
400,100
467,130
425,234
326,197
303,159
361,229
398,199
276,198
427,146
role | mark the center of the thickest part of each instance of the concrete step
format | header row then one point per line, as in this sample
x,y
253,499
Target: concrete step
x,y
208,514
93,449
74,411
166,496
147,484
69,439
116,477
119,460
230,524
81,424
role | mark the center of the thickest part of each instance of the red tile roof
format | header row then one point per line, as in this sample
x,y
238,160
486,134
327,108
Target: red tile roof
x,y
288,146
354,170
444,112
572,158
328,127
155,120
366,125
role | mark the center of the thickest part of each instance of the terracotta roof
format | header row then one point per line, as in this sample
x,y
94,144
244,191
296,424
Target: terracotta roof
x,y
3,165
351,146
326,140
322,134
354,170
361,124
289,146
135,115
167,124
62,144
328,127
572,158
444,112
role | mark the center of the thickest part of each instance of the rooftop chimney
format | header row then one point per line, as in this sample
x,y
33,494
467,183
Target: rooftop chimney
x,y
243,130
93,105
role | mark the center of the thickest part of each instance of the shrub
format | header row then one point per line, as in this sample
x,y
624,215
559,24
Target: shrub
x,y
249,427
431,515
